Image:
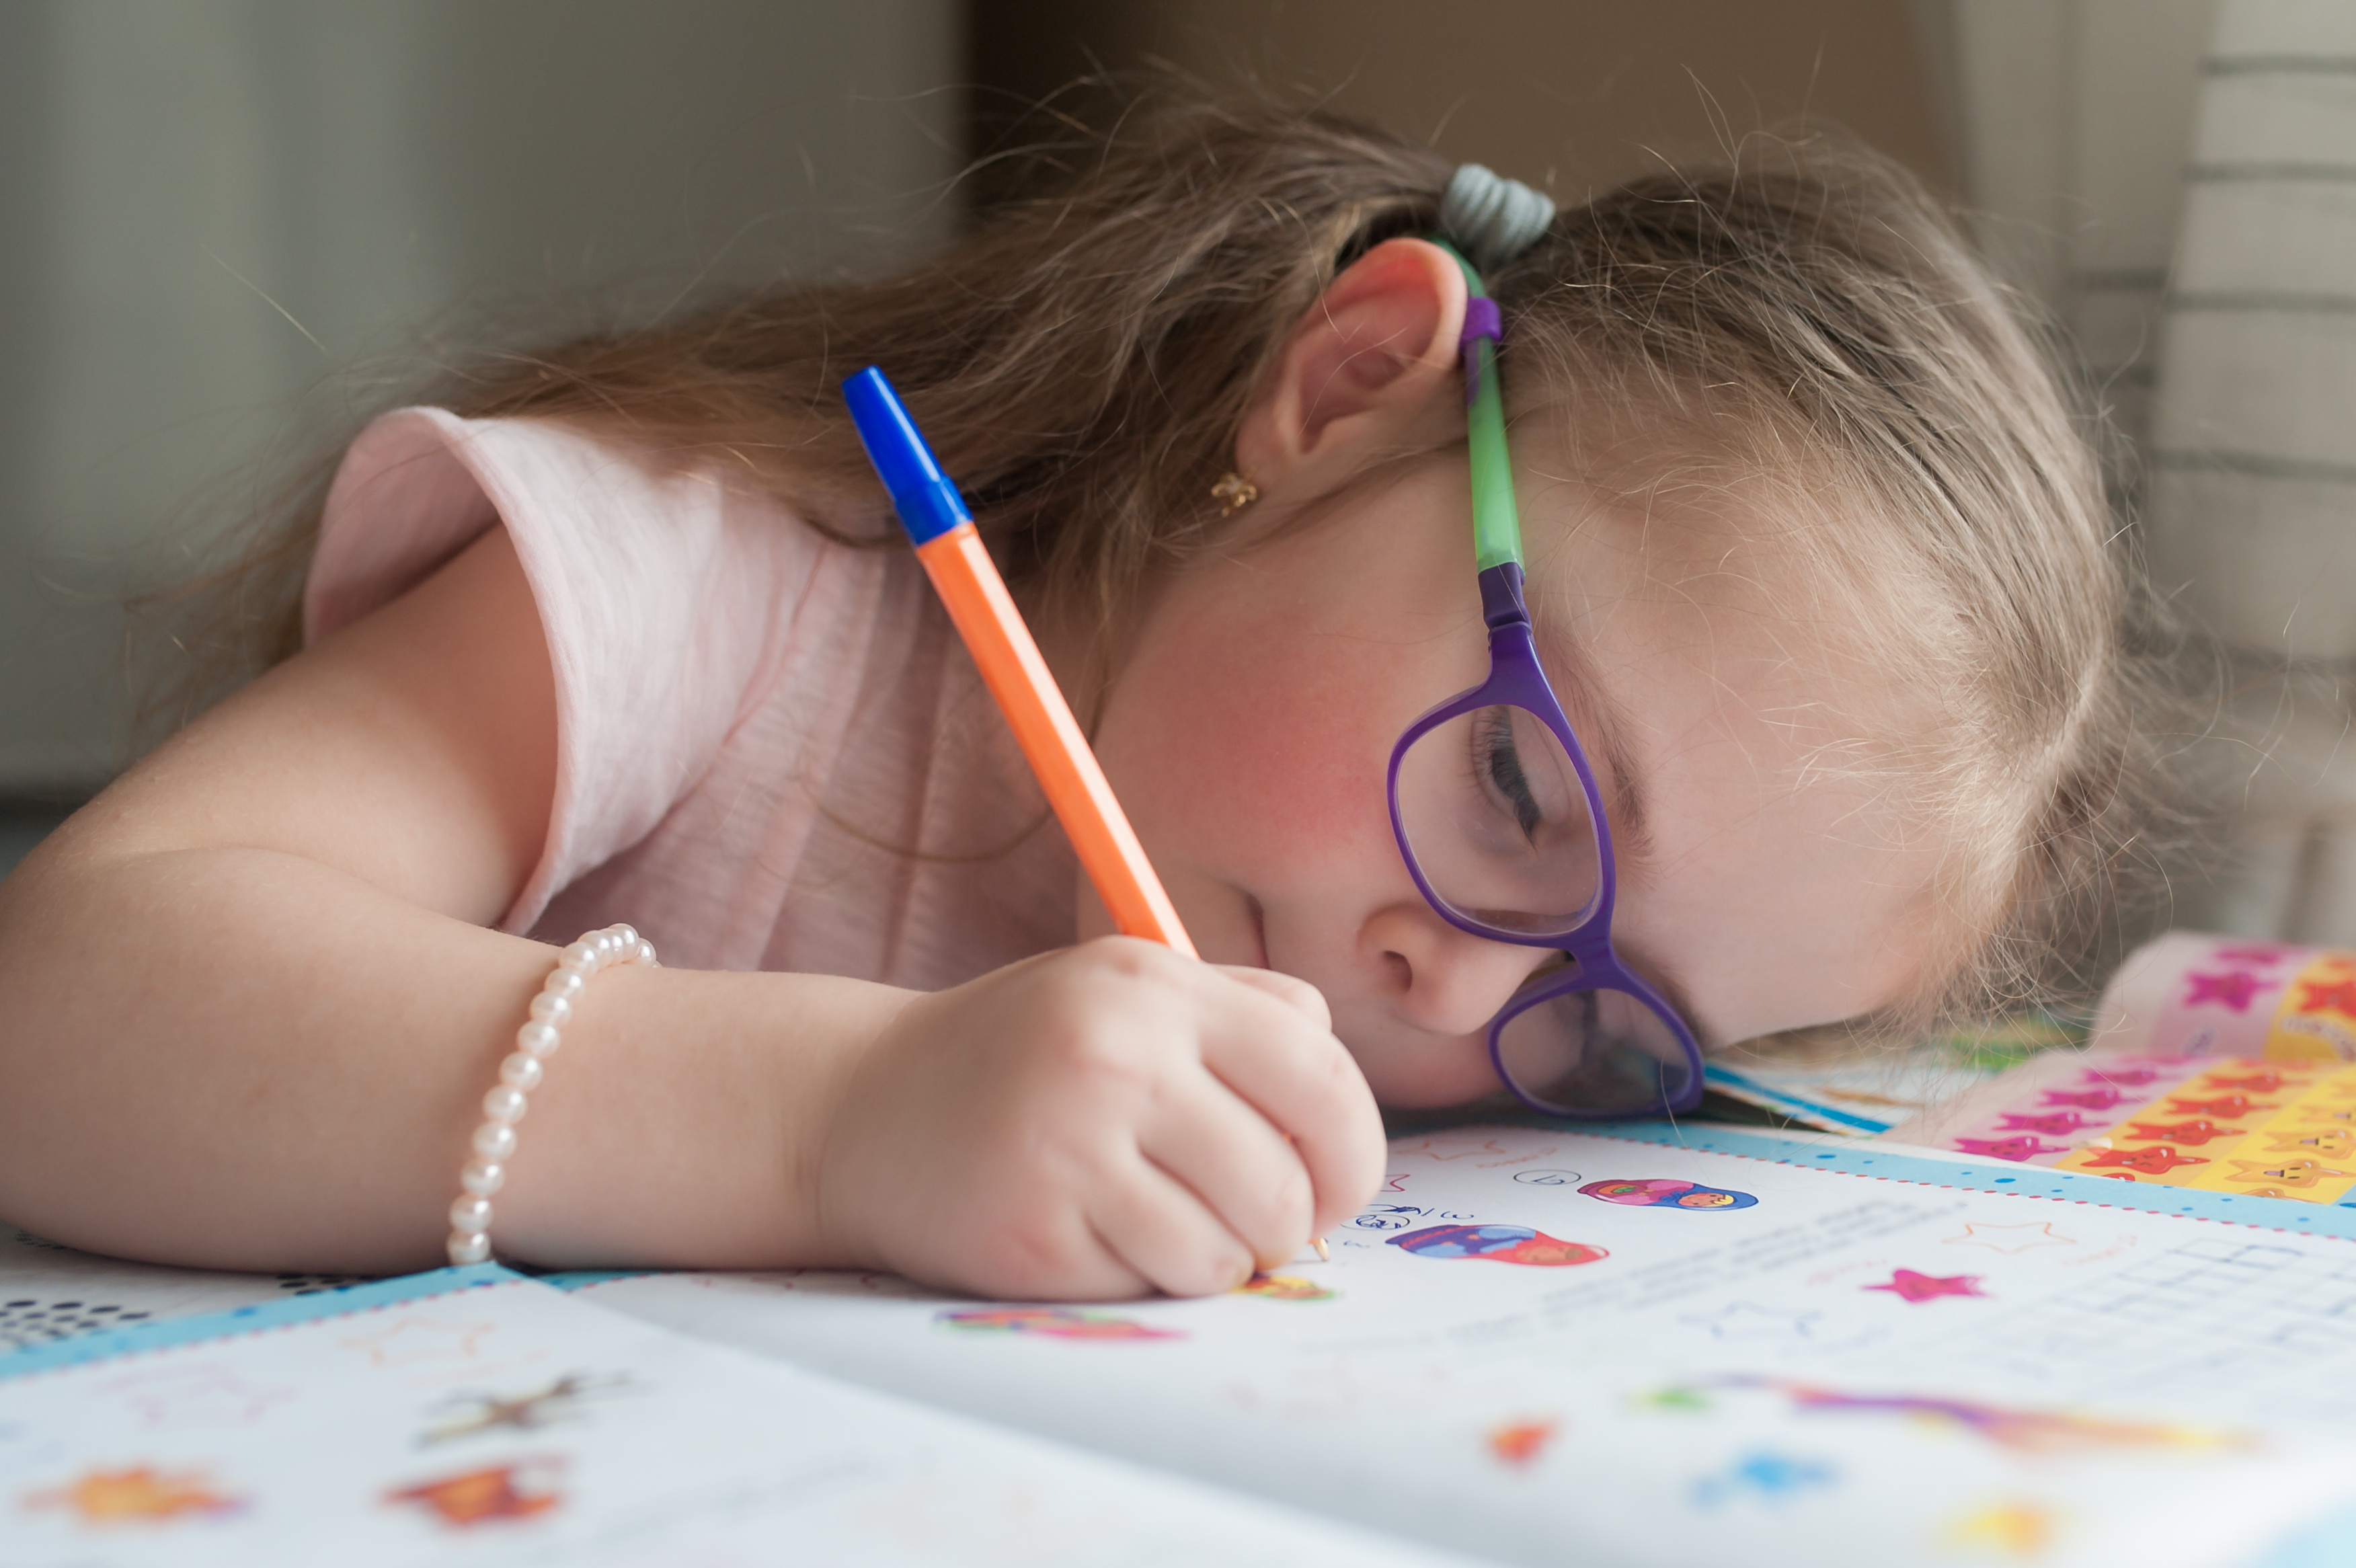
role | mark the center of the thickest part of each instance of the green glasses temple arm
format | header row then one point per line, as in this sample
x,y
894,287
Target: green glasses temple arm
x,y
1496,525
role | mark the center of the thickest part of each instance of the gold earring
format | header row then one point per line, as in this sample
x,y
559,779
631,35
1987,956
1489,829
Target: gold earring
x,y
1234,494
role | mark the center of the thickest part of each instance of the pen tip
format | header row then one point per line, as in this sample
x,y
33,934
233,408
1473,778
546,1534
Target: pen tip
x,y
1323,1251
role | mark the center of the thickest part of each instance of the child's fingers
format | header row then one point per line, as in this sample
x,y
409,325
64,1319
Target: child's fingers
x,y
1304,1082
1243,1170
1290,990
1152,1223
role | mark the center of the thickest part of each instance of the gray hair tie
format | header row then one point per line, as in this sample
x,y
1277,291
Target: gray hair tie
x,y
1492,218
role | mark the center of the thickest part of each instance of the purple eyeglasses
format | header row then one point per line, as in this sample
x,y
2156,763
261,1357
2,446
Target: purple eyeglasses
x,y
1501,826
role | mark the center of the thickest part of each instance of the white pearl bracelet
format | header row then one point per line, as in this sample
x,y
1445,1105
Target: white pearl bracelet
x,y
495,1140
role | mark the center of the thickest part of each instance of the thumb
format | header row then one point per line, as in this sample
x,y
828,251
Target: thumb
x,y
1290,990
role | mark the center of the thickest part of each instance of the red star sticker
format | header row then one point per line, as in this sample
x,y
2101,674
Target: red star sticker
x,y
2157,1160
2197,1132
2338,996
2264,1081
1911,1286
2235,988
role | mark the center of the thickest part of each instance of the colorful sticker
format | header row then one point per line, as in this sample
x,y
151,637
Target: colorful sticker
x,y
1764,1477
1664,1192
138,1494
2023,1431
1498,1244
1053,1323
2021,1149
2157,1160
1518,1444
467,1414
521,1490
1908,1285
2272,1126
2010,1530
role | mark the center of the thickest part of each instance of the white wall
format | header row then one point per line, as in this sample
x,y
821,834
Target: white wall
x,y
2074,121
214,207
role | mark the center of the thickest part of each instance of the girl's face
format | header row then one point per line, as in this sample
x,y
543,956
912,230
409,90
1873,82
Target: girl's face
x,y
1249,730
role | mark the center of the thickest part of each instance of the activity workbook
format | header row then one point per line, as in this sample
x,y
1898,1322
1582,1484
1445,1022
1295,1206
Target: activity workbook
x,y
473,1416
1550,1347
1645,1347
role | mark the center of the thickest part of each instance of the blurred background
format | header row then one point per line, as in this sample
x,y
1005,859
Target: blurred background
x,y
230,223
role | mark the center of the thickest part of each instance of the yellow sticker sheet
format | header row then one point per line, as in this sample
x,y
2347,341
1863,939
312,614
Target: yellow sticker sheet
x,y
2274,1126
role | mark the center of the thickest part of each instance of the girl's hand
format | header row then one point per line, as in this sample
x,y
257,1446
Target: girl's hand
x,y
1101,1121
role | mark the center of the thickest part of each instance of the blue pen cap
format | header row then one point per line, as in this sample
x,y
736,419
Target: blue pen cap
x,y
926,499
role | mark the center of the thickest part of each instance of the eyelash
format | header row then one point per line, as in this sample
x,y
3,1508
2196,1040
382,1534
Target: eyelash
x,y
1502,768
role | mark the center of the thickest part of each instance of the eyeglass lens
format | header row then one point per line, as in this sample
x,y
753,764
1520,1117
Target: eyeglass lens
x,y
1596,1049
1494,816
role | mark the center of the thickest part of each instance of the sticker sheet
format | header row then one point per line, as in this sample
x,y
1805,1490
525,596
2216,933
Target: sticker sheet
x,y
2252,1126
505,1421
1547,1347
2193,996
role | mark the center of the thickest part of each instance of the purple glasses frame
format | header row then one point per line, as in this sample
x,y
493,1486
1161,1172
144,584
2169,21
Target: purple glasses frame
x,y
1517,679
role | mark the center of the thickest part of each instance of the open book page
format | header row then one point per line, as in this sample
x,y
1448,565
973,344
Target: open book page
x,y
1542,1347
49,1293
412,1423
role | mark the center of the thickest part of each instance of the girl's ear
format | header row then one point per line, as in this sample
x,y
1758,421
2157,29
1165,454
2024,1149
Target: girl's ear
x,y
1371,367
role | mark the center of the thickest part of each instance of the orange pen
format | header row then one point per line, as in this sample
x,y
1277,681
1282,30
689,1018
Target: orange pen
x,y
938,521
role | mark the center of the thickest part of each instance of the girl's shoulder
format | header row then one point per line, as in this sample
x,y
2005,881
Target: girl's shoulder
x,y
703,638
592,518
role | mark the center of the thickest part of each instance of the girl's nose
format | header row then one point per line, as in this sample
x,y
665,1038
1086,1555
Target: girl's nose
x,y
1441,978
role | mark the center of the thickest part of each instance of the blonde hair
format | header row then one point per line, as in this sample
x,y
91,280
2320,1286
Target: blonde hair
x,y
1083,358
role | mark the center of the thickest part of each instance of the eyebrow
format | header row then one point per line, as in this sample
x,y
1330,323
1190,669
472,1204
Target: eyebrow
x,y
1603,726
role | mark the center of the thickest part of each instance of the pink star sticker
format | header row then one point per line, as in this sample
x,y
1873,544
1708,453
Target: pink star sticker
x,y
2025,1145
2057,1122
2235,988
2091,1098
1914,1287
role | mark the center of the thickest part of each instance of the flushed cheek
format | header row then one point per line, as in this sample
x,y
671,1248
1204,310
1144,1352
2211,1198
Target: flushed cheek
x,y
1251,768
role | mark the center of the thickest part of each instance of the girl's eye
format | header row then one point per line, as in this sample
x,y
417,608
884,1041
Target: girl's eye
x,y
1501,770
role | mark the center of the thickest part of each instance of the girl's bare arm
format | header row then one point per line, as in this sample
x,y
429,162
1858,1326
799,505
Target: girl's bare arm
x,y
248,1007
250,1001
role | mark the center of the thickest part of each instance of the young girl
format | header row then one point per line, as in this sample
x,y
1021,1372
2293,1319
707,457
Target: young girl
x,y
1818,564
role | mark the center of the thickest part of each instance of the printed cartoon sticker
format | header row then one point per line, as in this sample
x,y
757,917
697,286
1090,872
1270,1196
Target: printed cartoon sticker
x,y
1518,1444
516,1491
1664,1192
2022,1431
1498,1244
1909,1286
139,1493
1765,1478
467,1414
2026,1146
